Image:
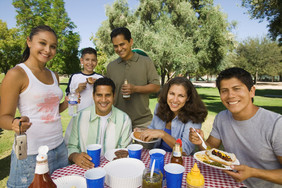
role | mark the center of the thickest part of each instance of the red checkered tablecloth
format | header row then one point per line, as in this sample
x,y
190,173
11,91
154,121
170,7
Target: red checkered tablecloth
x,y
213,177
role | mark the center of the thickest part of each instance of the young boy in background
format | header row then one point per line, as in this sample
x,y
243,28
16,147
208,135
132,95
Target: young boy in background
x,y
82,82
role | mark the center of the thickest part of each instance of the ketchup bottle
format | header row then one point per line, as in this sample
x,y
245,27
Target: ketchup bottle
x,y
177,153
42,178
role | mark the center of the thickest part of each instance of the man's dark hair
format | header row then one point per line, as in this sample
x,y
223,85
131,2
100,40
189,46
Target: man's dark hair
x,y
244,76
121,31
88,50
104,81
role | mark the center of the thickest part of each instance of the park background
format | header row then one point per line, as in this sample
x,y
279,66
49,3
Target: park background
x,y
191,38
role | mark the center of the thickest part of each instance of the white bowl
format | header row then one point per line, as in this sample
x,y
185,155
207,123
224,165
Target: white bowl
x,y
125,172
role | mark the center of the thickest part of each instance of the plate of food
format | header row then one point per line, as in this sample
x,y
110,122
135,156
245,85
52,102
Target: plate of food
x,y
73,181
136,136
217,158
116,154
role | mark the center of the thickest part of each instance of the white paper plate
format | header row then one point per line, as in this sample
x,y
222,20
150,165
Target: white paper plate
x,y
110,155
201,154
70,181
141,141
125,172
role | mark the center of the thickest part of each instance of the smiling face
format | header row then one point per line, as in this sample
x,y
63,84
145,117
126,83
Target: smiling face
x,y
176,98
89,62
103,99
122,47
42,46
237,98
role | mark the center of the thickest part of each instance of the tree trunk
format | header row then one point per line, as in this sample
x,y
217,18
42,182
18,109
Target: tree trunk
x,y
256,77
168,76
163,74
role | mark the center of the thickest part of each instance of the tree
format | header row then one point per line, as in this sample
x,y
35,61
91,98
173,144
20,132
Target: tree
x,y
170,47
10,47
271,10
171,32
259,56
102,59
213,40
32,13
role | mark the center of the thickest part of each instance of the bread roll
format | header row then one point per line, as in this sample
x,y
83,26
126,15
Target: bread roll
x,y
221,156
90,80
137,135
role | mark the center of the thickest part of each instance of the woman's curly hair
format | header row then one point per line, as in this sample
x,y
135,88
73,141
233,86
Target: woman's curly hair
x,y
194,109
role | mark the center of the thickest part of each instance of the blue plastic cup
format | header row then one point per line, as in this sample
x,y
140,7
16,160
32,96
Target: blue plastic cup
x,y
157,150
174,173
159,162
94,151
95,177
134,151
160,151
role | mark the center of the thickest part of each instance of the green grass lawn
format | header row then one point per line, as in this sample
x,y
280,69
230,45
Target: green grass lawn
x,y
209,95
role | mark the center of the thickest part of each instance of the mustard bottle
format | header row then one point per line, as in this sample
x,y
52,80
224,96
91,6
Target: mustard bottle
x,y
194,178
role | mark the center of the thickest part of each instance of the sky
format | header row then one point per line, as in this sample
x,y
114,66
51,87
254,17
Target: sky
x,y
88,15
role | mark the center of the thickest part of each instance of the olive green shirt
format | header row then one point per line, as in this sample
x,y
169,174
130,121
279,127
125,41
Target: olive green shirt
x,y
139,70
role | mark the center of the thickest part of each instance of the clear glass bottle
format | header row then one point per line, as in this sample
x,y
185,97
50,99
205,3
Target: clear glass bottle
x,y
126,97
42,178
73,101
177,153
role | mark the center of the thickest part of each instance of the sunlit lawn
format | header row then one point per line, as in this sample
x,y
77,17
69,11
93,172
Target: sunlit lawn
x,y
209,95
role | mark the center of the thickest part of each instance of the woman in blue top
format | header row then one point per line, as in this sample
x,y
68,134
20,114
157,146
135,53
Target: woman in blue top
x,y
179,108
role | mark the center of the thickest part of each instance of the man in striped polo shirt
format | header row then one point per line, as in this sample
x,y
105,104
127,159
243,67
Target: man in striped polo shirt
x,y
101,123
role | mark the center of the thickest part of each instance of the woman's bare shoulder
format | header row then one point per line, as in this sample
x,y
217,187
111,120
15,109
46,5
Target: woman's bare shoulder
x,y
15,75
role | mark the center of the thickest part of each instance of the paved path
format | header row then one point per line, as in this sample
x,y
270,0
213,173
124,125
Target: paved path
x,y
259,85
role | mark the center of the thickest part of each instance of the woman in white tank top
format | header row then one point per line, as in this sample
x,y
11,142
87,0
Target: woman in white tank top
x,y
34,89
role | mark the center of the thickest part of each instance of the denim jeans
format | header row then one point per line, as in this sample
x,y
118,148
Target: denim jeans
x,y
22,171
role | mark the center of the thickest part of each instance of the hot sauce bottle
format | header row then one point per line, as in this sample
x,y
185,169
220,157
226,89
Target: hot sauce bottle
x,y
42,178
177,153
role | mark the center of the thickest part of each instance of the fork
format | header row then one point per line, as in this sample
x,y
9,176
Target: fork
x,y
203,142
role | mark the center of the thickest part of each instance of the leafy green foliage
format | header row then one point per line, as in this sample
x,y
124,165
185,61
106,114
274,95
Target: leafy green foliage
x,y
179,38
32,13
102,59
271,10
10,47
213,40
259,56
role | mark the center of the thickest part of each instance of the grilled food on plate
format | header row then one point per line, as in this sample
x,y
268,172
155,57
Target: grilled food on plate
x,y
221,156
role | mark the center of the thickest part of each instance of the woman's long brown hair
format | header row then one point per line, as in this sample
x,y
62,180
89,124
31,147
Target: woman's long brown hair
x,y
194,109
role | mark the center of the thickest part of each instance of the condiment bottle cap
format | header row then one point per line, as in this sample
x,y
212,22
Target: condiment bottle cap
x,y
179,141
195,169
42,153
